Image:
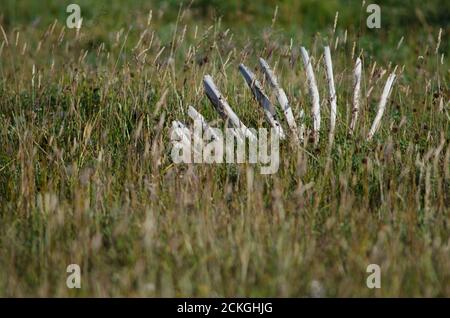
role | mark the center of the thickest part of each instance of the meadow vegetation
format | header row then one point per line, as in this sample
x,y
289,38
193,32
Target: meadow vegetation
x,y
86,175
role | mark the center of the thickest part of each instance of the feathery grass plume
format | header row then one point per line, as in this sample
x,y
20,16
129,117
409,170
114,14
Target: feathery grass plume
x,y
381,106
223,108
282,99
262,99
331,91
356,94
314,92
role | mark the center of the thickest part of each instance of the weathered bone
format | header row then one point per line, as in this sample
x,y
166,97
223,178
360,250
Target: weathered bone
x,y
184,134
282,98
331,90
179,130
226,112
195,115
314,92
223,108
356,94
262,99
381,106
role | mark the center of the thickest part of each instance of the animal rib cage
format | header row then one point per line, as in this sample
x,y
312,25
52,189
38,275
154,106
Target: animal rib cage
x,y
297,132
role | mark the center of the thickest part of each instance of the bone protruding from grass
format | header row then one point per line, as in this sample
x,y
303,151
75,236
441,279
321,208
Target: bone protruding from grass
x,y
381,106
314,92
281,97
356,94
181,132
263,100
223,108
331,91
195,115
184,134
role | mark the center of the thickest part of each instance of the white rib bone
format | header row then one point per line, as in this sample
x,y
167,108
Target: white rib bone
x,y
282,98
331,90
314,92
223,108
356,94
179,130
195,115
262,99
381,106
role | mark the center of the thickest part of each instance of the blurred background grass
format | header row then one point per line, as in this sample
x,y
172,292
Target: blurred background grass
x,y
415,20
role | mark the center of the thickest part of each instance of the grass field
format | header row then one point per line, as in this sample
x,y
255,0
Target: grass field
x,y
86,175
